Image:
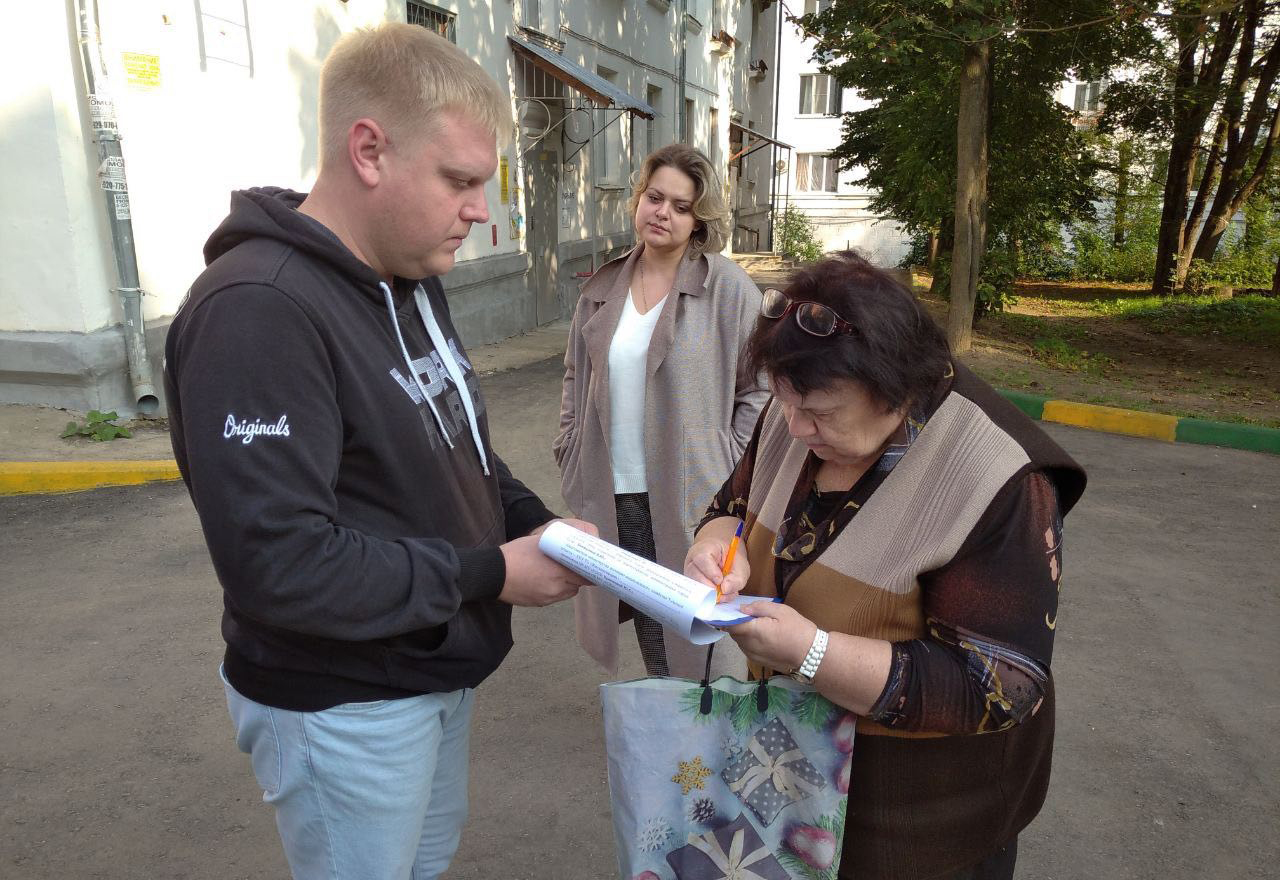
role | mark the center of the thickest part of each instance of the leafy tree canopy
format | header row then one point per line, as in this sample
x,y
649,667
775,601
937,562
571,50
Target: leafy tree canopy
x,y
904,58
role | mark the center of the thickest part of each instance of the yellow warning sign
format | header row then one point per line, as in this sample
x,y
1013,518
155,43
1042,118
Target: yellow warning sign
x,y
503,176
141,69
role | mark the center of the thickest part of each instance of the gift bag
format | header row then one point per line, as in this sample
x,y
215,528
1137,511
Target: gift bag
x,y
726,781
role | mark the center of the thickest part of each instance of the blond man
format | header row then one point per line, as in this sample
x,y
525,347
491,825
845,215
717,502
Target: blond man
x,y
329,428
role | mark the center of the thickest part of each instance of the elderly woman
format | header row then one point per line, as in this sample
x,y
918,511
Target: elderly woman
x,y
655,410
910,520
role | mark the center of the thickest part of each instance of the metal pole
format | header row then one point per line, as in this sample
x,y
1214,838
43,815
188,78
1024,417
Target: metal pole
x,y
115,189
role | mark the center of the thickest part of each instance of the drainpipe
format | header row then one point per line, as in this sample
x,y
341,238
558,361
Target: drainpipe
x,y
116,195
680,67
593,197
773,172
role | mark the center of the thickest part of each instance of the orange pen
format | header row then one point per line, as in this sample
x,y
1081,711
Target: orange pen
x,y
728,557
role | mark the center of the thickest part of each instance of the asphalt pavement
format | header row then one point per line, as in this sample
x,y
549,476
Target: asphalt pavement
x,y
117,759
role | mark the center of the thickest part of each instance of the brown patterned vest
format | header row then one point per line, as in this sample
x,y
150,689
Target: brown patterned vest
x,y
920,805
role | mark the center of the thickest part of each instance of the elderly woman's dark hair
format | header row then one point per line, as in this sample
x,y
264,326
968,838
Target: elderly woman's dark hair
x,y
896,350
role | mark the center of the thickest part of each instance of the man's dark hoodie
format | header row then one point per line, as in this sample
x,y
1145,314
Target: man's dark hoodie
x,y
335,468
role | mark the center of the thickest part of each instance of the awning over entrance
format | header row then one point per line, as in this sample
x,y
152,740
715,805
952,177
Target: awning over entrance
x,y
578,77
752,140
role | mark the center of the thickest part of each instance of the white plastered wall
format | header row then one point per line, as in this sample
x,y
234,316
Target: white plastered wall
x,y
191,133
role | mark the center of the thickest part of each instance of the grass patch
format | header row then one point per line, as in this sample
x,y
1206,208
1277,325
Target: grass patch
x,y
1060,354
1250,319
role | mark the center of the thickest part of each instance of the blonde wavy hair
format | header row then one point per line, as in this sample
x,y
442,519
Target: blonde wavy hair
x,y
711,215
403,76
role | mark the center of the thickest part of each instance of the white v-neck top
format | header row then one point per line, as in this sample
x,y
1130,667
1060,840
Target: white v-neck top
x,y
628,359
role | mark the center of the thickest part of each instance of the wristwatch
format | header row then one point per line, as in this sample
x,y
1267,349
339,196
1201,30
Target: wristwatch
x,y
809,667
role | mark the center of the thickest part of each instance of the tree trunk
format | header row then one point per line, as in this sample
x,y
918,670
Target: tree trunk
x,y
971,193
1217,223
1194,95
1208,181
1234,189
1123,160
933,250
1275,280
946,245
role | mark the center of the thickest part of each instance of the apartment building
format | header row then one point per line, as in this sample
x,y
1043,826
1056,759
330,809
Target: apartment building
x,y
130,121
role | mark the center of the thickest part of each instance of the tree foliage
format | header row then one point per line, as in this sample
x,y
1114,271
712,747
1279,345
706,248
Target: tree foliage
x,y
1205,89
905,58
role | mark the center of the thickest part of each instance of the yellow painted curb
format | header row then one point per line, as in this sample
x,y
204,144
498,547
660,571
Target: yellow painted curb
x,y
19,477
1108,418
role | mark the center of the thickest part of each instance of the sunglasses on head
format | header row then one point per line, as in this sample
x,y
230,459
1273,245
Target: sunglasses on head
x,y
811,317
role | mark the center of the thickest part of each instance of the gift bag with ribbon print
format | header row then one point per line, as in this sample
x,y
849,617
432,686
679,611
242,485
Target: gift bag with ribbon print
x,y
726,780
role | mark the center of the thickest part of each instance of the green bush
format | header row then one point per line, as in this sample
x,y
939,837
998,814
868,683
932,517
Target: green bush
x,y
995,282
1095,256
796,237
917,252
1046,262
1245,261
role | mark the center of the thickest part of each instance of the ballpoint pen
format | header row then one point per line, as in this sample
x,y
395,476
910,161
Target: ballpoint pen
x,y
728,557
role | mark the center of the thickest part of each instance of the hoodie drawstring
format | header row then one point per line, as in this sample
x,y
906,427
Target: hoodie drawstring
x,y
451,366
408,362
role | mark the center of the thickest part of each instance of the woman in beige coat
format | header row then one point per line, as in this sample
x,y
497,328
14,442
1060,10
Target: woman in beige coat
x,y
655,410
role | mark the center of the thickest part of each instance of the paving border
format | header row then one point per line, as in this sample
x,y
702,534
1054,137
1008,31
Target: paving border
x,y
1156,426
28,477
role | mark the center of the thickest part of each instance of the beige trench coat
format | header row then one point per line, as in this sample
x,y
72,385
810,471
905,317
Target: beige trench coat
x,y
699,415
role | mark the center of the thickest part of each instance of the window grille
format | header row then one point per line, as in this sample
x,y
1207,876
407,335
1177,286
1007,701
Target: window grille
x,y
814,6
432,18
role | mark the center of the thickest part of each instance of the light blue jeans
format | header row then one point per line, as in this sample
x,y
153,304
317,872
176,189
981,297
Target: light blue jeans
x,y
362,791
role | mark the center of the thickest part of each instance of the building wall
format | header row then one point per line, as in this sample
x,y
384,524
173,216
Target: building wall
x,y
753,176
221,95
841,218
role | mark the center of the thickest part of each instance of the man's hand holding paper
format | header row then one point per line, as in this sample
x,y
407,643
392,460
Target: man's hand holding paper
x,y
682,604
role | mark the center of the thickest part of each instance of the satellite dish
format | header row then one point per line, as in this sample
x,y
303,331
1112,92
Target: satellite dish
x,y
781,166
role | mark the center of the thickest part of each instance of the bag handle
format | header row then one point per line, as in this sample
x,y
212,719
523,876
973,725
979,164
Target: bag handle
x,y
704,705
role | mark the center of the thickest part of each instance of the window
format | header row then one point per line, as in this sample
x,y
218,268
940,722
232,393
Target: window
x,y
814,6
611,154
1087,94
718,18
815,172
532,14
819,95
432,18
652,139
713,151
